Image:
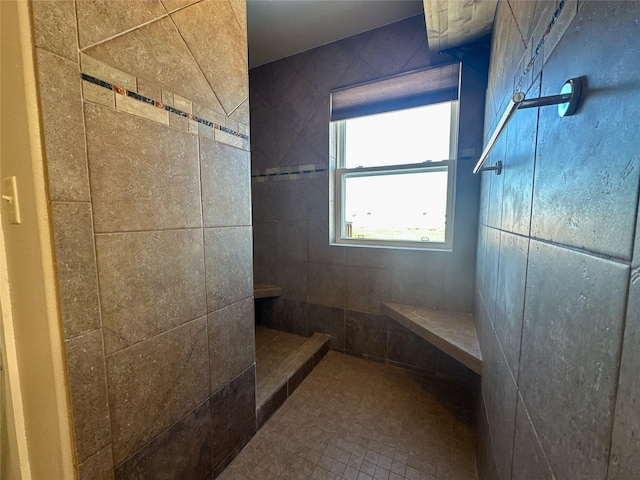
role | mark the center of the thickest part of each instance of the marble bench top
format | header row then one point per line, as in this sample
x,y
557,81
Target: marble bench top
x,y
264,291
452,332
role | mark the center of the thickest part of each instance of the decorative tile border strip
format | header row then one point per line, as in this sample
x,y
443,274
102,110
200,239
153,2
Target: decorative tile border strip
x,y
293,172
160,105
540,44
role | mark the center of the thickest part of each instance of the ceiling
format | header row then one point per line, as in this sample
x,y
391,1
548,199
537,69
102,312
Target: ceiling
x,y
280,28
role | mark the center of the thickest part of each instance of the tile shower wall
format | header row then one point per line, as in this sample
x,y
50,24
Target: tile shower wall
x,y
558,249
145,116
334,289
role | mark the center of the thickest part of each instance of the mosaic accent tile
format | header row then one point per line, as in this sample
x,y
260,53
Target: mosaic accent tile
x,y
137,104
539,47
293,172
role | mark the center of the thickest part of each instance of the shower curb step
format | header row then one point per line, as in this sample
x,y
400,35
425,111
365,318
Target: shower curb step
x,y
297,366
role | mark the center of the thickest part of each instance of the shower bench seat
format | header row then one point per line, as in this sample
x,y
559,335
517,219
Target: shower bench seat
x,y
452,332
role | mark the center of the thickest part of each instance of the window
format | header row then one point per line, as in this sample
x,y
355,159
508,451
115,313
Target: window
x,y
393,161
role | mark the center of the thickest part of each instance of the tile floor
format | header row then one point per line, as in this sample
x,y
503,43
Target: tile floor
x,y
355,419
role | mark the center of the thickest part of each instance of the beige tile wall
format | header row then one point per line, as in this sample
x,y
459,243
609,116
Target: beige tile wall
x,y
132,188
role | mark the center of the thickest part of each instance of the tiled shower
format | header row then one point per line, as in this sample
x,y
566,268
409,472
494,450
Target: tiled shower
x,y
163,221
333,289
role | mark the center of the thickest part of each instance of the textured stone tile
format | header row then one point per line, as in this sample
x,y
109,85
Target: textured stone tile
x,y
407,260
241,114
625,442
292,317
55,27
366,288
291,240
292,200
502,411
263,201
570,350
593,151
457,293
150,282
489,275
198,25
149,89
76,268
328,320
512,276
181,451
300,103
226,185
96,94
301,153
409,349
60,97
172,5
102,19
529,460
358,72
373,258
292,276
98,467
486,338
416,288
324,66
161,41
228,263
141,109
233,418
328,285
240,11
231,342
320,250
264,240
88,393
518,165
366,333
487,468
494,209
154,383
391,47
133,192
103,71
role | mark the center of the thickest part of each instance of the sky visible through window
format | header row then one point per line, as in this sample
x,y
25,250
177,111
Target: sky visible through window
x,y
401,206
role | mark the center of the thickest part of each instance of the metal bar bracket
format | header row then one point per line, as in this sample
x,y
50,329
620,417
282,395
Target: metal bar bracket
x,y
568,102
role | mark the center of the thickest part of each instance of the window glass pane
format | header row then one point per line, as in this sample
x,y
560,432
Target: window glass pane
x,y
404,206
414,135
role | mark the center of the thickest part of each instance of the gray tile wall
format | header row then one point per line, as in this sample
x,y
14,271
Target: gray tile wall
x,y
290,125
152,236
556,302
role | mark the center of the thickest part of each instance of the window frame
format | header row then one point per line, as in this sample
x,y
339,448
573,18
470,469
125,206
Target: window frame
x,y
339,174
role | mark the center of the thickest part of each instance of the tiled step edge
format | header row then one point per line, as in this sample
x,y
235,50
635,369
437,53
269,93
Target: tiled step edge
x,y
452,332
310,354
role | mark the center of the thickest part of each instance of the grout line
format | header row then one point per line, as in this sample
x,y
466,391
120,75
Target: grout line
x,y
195,60
622,337
156,335
117,35
573,248
199,405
